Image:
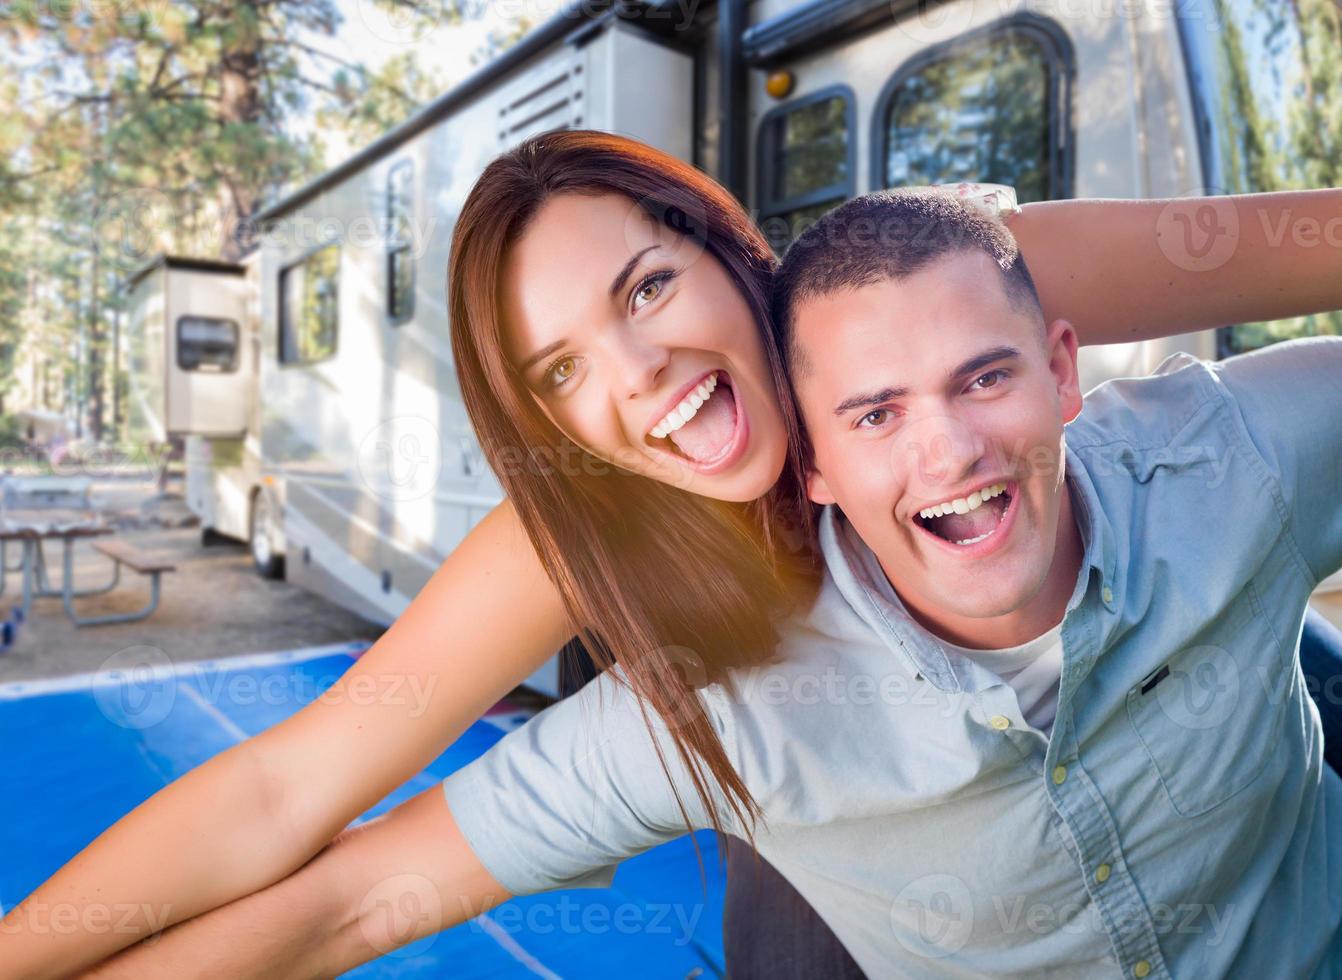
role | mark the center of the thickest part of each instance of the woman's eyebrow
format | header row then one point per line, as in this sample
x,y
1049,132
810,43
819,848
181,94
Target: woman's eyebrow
x,y
542,354
628,269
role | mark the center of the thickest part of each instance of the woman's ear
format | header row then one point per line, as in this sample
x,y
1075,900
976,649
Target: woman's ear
x,y
817,489
1060,343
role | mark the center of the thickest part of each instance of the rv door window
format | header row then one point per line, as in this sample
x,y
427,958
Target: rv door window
x,y
400,260
805,162
985,107
207,344
310,307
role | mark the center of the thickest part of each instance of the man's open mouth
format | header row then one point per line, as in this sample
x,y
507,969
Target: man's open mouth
x,y
705,426
968,520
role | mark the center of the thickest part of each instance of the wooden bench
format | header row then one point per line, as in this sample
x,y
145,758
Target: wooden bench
x,y
121,553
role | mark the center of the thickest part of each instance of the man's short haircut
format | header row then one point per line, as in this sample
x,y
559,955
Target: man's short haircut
x,y
889,235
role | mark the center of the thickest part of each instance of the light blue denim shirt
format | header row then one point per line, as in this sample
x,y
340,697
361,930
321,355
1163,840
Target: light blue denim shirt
x,y
1179,822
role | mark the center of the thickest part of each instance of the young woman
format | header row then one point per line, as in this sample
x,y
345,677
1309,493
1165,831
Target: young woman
x,y
579,327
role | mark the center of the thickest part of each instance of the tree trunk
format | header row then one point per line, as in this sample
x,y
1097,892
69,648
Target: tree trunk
x,y
239,102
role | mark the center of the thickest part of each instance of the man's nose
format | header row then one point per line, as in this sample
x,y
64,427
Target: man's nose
x,y
638,364
936,452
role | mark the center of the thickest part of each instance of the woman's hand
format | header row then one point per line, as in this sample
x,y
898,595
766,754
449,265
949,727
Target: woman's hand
x,y
1136,270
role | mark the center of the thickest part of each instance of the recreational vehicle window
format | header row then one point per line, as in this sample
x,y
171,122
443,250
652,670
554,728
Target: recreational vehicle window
x,y
983,107
310,307
806,162
207,344
400,257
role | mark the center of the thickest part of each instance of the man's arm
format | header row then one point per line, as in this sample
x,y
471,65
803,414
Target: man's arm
x,y
1123,270
559,802
375,888
1290,396
555,803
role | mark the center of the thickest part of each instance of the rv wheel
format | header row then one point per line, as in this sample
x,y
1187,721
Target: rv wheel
x,y
268,563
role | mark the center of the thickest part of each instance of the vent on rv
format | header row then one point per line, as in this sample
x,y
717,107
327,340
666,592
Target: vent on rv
x,y
549,96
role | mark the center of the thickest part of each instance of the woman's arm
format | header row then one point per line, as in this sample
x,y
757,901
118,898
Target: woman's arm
x,y
373,889
253,814
1135,270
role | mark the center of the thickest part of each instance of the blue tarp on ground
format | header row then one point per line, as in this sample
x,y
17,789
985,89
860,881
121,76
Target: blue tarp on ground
x,y
81,752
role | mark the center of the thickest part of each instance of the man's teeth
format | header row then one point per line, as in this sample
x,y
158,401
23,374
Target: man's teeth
x,y
686,410
963,505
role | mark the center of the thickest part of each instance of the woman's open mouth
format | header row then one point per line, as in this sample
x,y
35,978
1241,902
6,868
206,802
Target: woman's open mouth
x,y
971,526
706,428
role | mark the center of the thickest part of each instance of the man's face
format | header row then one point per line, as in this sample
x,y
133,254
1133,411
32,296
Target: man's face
x,y
927,395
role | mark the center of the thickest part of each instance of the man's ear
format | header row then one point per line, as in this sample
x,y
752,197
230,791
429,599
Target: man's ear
x,y
1060,344
817,489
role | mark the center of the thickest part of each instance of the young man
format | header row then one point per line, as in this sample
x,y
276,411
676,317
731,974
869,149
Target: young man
x,y
1046,715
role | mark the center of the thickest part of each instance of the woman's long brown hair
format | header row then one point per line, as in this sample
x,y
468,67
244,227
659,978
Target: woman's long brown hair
x,y
676,588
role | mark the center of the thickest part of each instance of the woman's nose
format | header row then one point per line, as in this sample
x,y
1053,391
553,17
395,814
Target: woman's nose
x,y
638,366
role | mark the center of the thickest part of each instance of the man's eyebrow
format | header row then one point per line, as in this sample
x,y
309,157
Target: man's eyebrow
x,y
980,361
542,354
871,398
975,363
629,266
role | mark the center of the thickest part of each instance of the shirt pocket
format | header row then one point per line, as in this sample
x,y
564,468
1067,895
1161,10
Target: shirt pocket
x,y
1210,716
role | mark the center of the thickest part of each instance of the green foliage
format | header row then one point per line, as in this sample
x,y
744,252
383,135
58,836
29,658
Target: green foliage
x,y
133,127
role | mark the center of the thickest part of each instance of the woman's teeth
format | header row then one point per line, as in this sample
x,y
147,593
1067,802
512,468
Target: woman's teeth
x,y
963,505
686,410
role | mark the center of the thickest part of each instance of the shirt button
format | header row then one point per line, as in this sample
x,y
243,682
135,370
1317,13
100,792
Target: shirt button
x,y
1141,969
1059,774
1107,594
1000,722
1102,873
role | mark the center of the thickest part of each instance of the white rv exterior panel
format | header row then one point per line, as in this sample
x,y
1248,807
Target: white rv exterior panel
x,y
147,365
1132,125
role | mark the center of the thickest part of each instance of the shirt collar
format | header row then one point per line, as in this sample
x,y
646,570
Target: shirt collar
x,y
857,574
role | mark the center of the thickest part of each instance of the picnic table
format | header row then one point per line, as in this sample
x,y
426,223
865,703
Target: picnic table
x,y
35,509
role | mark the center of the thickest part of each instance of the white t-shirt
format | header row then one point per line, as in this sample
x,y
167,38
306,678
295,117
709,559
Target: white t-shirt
x,y
1033,669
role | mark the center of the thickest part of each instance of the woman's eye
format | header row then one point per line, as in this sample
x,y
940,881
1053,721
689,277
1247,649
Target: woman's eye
x,y
561,370
993,378
872,419
649,289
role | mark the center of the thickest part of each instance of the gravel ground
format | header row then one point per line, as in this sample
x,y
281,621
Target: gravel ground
x,y
213,605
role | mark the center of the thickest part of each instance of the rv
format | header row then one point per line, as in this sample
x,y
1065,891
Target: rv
x,y
315,387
